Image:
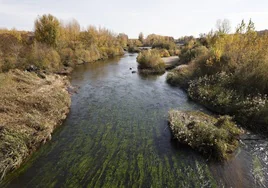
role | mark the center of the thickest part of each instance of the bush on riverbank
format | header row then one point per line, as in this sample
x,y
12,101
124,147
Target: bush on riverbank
x,y
216,137
30,110
163,53
215,93
228,75
133,49
150,61
181,76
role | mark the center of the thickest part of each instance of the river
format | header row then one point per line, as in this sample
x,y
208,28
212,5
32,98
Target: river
x,y
117,135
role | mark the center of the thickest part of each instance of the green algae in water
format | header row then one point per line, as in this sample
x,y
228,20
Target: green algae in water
x,y
258,171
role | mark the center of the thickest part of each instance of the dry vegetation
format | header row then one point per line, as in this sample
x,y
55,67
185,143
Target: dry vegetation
x,y
228,73
55,45
150,62
30,109
216,137
34,103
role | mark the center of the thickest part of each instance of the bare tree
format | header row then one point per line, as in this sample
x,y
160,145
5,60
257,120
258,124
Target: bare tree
x,y
223,26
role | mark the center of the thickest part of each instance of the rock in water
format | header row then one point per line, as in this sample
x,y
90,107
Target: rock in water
x,y
216,137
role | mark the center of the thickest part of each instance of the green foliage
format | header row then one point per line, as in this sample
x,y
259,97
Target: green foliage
x,y
191,51
47,30
216,93
217,137
181,76
150,60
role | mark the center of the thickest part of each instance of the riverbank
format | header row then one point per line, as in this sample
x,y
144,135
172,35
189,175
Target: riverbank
x,y
213,93
31,108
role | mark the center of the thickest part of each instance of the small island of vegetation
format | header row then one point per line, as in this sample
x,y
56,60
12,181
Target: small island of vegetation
x,y
216,138
150,62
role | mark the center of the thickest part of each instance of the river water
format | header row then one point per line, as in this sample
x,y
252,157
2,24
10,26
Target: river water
x,y
117,135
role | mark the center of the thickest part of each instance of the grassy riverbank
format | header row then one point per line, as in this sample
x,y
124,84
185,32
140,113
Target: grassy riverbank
x,y
31,107
228,74
33,99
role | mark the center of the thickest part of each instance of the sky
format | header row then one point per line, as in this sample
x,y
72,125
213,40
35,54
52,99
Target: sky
x,y
165,17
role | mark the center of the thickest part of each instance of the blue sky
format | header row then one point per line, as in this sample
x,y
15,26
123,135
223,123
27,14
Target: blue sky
x,y
166,17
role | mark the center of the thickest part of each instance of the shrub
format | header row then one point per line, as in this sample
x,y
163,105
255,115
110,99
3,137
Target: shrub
x,y
8,63
190,53
181,76
215,93
150,60
47,30
133,49
111,51
163,53
168,45
174,52
45,57
159,41
217,137
67,56
82,56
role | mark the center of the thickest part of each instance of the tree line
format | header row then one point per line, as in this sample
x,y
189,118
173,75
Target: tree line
x,y
55,44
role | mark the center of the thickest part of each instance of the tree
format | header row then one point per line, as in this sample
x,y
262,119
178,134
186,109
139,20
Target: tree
x,y
241,27
251,26
47,30
223,27
123,39
141,37
72,30
69,34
